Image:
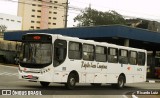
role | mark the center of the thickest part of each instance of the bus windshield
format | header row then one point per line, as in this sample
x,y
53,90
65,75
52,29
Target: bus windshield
x,y
37,53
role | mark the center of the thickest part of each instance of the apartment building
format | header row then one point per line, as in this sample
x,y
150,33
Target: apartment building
x,y
42,14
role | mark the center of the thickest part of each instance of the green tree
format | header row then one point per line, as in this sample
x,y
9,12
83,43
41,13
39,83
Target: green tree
x,y
92,17
3,28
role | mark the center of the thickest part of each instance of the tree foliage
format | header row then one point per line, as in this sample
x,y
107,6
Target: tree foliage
x,y
3,28
92,17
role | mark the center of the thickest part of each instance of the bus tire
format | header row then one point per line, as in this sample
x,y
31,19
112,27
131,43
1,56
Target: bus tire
x,y
121,82
44,84
71,82
96,84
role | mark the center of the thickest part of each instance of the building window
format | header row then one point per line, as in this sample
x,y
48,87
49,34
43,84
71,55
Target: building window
x,y
19,21
49,17
32,27
50,12
38,21
1,18
55,1
38,16
32,15
38,10
12,20
38,27
33,4
7,19
55,7
50,6
54,12
54,18
54,23
33,10
39,5
32,21
49,22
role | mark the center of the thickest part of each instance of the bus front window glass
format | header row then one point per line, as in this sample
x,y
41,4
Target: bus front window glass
x,y
37,53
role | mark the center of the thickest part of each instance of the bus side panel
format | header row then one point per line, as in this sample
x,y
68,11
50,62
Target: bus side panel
x,y
113,72
112,78
128,70
139,74
89,77
100,78
57,76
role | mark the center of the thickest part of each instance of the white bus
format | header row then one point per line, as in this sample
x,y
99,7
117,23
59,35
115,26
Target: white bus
x,y
69,60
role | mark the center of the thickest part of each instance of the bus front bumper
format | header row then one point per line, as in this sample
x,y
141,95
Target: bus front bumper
x,y
35,77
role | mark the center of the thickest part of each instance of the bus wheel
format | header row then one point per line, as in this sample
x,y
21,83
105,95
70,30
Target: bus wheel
x,y
96,84
44,84
121,82
71,82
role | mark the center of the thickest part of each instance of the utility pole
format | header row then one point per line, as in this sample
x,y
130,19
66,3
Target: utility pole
x,y
66,14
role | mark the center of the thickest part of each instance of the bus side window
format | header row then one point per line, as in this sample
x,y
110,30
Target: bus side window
x,y
123,56
88,52
133,57
60,50
75,50
141,58
112,55
101,54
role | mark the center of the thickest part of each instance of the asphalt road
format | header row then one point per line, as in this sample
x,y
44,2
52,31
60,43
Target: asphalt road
x,y
9,80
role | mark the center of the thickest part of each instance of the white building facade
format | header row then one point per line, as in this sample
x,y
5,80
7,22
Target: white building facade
x,y
11,22
8,48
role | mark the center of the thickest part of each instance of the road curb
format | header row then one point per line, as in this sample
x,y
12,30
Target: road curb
x,y
12,65
153,81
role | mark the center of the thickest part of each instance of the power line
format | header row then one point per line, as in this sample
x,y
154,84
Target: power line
x,y
78,9
101,6
70,8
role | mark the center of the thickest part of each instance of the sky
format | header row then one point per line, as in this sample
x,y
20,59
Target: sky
x,y
146,9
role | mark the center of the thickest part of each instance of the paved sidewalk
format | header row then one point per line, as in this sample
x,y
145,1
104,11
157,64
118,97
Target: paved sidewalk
x,y
153,80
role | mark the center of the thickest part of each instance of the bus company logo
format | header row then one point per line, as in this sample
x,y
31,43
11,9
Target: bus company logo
x,y
6,92
91,65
